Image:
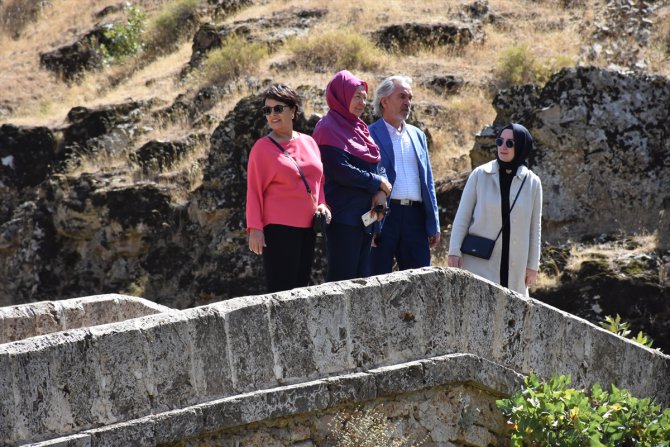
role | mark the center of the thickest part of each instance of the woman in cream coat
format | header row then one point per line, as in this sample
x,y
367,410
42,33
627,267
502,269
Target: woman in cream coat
x,y
490,189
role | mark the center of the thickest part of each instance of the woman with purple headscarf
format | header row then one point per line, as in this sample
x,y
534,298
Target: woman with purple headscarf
x,y
491,191
354,183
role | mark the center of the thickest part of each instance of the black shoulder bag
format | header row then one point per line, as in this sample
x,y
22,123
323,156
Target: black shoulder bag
x,y
319,219
482,247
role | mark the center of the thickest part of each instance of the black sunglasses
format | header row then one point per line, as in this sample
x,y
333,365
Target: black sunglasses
x,y
279,108
508,143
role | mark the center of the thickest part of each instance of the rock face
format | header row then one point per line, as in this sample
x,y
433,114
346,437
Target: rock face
x,y
622,29
71,61
409,36
602,150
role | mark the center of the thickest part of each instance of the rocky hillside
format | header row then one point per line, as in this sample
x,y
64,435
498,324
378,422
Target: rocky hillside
x,y
128,174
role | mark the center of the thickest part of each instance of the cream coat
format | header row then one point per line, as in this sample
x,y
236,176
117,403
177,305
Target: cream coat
x,y
479,213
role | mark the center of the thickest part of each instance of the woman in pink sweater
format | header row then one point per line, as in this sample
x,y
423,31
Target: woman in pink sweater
x,y
280,208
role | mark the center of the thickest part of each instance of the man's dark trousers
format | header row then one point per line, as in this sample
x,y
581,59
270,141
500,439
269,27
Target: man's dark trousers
x,y
403,238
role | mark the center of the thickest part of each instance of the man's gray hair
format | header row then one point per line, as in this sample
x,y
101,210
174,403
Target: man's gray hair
x,y
384,89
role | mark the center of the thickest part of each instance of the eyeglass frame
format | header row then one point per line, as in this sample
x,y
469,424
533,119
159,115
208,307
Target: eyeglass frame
x,y
508,142
277,108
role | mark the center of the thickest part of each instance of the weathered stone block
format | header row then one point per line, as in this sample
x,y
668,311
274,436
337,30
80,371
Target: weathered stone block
x,y
178,424
605,357
399,378
224,413
369,334
509,324
249,343
73,368
328,323
444,322
81,440
170,360
296,399
495,378
576,345
126,383
211,364
138,433
293,346
30,371
19,322
546,339
351,388
479,315
7,405
404,309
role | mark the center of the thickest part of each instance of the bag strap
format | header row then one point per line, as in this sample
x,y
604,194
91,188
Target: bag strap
x,y
513,203
302,175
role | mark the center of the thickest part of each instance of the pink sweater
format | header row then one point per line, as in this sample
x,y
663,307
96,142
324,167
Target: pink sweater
x,y
276,193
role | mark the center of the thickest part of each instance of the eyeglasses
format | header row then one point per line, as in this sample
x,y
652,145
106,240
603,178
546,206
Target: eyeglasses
x,y
508,143
279,108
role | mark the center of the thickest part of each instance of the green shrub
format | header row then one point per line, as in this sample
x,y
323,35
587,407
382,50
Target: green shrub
x,y
518,65
551,414
366,428
124,39
619,327
336,50
174,24
234,58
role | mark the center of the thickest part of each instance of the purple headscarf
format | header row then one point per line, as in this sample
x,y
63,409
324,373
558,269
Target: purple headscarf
x,y
340,128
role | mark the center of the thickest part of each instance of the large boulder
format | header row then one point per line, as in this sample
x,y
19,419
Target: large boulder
x,y
410,36
71,61
26,155
602,150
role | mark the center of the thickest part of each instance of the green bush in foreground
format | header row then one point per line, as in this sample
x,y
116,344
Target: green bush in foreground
x,y
551,414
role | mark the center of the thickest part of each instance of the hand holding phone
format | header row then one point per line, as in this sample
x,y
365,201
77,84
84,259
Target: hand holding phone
x,y
374,214
368,218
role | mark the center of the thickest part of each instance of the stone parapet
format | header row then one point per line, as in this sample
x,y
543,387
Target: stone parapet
x,y
116,375
34,319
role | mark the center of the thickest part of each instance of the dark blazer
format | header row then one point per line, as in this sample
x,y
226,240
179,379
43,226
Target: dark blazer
x,y
381,136
349,186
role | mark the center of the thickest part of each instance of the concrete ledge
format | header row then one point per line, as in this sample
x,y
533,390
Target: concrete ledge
x,y
291,400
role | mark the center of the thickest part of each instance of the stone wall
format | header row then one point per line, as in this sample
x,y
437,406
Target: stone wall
x,y
190,374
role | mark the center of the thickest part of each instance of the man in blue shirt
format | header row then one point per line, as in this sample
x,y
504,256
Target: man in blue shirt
x,y
412,226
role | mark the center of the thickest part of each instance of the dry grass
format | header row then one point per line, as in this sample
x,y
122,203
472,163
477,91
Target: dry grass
x,y
658,51
639,244
335,50
235,58
607,252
